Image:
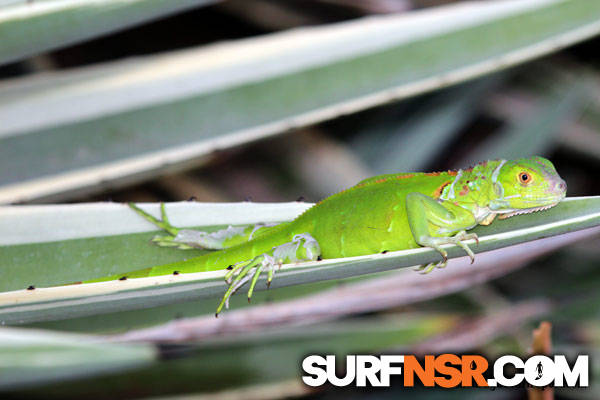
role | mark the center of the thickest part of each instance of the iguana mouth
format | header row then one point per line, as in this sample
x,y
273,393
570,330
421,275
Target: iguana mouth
x,y
526,211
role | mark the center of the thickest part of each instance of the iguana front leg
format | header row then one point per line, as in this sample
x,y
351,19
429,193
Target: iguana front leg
x,y
432,222
185,239
303,247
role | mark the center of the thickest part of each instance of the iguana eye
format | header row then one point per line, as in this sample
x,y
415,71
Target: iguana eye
x,y
524,178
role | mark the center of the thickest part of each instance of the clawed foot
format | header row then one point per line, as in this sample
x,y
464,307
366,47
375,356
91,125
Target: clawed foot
x,y
436,242
303,247
245,271
427,268
183,239
164,224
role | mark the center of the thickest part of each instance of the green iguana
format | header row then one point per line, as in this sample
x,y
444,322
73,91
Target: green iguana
x,y
384,213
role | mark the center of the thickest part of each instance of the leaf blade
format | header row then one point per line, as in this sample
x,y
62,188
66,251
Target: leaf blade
x,y
28,28
237,99
77,300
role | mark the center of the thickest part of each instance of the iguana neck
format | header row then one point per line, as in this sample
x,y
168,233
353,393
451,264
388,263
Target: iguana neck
x,y
474,187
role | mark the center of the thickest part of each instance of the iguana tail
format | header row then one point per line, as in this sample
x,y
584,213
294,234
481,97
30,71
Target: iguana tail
x,y
213,261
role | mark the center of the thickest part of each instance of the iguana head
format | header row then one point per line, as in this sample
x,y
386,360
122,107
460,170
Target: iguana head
x,y
525,185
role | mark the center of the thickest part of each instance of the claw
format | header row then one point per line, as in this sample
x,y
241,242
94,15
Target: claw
x,y
426,269
436,242
254,280
420,267
458,241
242,272
423,269
270,274
238,281
462,235
467,250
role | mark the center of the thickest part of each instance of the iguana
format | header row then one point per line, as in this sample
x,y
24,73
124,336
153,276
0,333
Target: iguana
x,y
384,213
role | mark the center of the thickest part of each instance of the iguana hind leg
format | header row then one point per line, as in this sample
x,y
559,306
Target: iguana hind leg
x,y
185,239
303,247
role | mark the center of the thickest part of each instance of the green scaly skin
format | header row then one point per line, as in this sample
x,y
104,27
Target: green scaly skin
x,y
384,213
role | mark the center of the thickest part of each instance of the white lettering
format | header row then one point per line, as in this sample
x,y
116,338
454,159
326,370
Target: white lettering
x,y
310,366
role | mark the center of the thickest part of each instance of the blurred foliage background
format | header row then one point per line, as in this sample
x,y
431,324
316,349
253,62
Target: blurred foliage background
x,y
548,106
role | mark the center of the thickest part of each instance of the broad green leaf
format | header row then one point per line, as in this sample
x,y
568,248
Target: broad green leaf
x,y
274,354
327,300
72,259
80,241
31,357
126,121
235,360
30,27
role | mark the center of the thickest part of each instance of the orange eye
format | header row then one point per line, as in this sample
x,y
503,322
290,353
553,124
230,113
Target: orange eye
x,y
524,178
